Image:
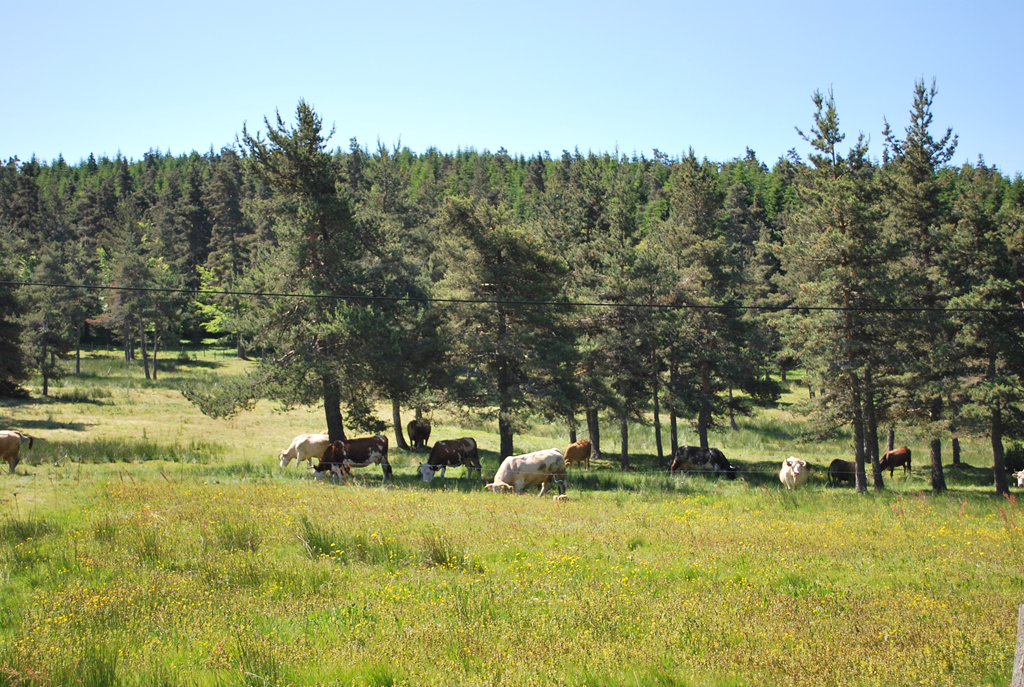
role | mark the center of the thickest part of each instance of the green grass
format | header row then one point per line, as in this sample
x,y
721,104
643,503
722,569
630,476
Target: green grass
x,y
157,547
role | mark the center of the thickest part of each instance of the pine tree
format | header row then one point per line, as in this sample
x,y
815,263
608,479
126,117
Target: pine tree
x,y
830,256
917,214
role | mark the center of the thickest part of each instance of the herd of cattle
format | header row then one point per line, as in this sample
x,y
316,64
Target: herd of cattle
x,y
543,468
516,473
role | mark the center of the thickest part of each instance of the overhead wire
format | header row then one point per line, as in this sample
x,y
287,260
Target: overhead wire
x,y
512,303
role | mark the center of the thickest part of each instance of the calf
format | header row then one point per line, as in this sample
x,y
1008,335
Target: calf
x,y
578,453
341,456
452,453
695,458
842,471
890,460
305,447
516,473
10,446
419,432
793,472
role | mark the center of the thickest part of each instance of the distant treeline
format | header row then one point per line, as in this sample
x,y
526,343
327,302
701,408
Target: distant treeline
x,y
896,284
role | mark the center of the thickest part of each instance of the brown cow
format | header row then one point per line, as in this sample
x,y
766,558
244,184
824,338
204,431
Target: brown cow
x,y
419,432
10,446
341,456
452,453
890,460
578,453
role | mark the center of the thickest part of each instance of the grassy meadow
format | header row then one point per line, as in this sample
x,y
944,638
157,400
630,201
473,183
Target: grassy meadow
x,y
144,544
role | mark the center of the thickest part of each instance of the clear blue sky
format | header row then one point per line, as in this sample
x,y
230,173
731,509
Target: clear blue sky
x,y
104,76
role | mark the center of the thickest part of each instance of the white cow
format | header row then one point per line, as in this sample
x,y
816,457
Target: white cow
x,y
793,473
1019,476
516,473
305,447
10,446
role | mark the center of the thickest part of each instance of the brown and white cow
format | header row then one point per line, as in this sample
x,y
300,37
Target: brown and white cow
x,y
697,459
539,468
10,446
341,456
578,453
305,447
452,453
890,460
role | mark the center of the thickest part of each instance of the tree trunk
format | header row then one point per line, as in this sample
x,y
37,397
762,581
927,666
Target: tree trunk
x,y
504,390
332,409
732,414
871,449
46,383
955,444
594,431
858,433
782,374
890,442
572,424
996,431
505,431
938,479
142,343
657,421
127,341
156,347
673,428
78,348
396,417
704,415
624,427
239,347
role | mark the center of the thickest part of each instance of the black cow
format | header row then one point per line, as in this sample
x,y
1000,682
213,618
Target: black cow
x,y
452,453
419,433
341,456
842,471
700,459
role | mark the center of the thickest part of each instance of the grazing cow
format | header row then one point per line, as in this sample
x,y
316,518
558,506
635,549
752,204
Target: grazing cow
x,y
10,446
578,453
695,458
305,447
516,473
793,473
1019,476
890,460
419,432
842,471
341,456
452,453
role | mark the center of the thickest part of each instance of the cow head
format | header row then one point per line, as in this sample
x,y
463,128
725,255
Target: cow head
x,y
795,465
284,458
428,471
1019,476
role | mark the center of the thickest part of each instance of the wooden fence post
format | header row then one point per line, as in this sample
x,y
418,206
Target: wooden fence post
x,y
1018,657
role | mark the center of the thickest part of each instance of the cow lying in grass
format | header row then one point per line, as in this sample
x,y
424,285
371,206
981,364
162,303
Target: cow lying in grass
x,y
305,447
793,473
539,468
10,446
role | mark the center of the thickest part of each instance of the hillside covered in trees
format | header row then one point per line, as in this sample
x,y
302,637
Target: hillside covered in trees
x,y
566,286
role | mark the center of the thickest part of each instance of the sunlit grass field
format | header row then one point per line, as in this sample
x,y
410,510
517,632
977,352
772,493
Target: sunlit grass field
x,y
149,545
